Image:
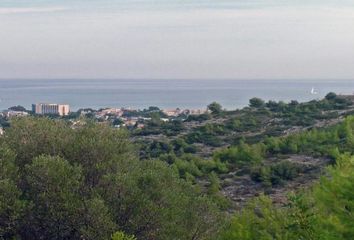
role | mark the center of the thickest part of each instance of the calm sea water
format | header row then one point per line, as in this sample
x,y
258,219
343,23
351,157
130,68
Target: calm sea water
x,y
141,94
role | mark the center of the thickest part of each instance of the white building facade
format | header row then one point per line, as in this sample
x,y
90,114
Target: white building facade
x,y
50,108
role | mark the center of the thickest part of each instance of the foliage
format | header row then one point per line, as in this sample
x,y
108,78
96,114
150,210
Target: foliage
x,y
215,108
122,236
331,96
199,118
325,212
243,154
276,173
18,108
87,183
256,102
53,186
189,166
334,197
259,220
142,200
12,209
207,134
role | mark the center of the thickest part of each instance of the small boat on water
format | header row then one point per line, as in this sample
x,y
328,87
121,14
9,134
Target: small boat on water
x,y
313,91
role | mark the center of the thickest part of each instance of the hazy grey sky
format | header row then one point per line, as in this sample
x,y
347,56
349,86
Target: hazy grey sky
x,y
176,39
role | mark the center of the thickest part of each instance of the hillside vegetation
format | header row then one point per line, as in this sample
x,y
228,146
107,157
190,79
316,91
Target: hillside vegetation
x,y
93,181
60,183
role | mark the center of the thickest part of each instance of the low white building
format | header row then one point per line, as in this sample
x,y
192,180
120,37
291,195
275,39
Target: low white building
x,y
112,111
172,112
196,111
11,113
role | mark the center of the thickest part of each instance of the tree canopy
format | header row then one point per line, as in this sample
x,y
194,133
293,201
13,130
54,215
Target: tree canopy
x,y
88,183
215,108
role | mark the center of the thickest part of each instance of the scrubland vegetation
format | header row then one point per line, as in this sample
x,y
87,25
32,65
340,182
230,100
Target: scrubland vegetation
x,y
95,182
87,183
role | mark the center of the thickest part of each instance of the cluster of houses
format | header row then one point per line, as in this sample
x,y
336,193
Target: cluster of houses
x,y
120,117
127,119
13,113
118,113
177,112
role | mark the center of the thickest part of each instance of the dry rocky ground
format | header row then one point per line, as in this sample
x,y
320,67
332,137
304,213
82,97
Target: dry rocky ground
x,y
239,187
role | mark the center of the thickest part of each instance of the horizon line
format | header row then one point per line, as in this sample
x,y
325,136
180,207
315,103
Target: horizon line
x,y
179,79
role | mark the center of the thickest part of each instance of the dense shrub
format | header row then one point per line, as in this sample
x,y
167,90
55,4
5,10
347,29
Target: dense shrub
x,y
325,212
87,183
276,173
243,154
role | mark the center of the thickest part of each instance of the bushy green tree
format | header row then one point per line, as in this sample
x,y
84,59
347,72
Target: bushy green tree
x,y
8,167
99,149
30,137
53,187
215,108
324,212
97,221
256,102
259,220
331,96
87,183
153,203
334,196
12,207
122,236
243,154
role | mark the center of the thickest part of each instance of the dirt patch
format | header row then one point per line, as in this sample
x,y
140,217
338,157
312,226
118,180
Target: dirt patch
x,y
241,188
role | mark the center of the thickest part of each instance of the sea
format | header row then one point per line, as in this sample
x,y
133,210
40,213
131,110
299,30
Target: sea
x,y
166,94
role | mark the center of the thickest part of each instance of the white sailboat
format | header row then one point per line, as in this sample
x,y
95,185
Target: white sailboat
x,y
313,92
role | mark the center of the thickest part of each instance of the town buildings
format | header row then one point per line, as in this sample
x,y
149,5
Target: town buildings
x,y
51,108
177,112
172,112
196,111
11,113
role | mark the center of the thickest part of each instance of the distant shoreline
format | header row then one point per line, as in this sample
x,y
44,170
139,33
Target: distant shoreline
x,y
165,94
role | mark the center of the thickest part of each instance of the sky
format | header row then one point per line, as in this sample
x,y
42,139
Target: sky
x,y
177,39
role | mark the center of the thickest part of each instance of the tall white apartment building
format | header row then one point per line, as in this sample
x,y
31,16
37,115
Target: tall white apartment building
x,y
51,108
